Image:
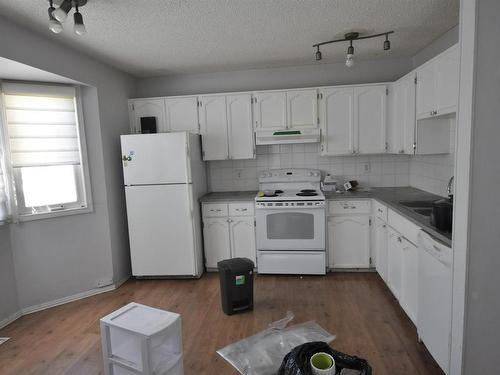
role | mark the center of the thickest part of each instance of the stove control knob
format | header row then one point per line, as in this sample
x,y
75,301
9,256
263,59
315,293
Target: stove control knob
x,y
316,174
309,174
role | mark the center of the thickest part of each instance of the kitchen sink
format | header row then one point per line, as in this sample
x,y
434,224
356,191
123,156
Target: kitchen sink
x,y
416,204
423,211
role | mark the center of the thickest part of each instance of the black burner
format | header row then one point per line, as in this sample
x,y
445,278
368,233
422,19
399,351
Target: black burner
x,y
308,191
305,194
278,192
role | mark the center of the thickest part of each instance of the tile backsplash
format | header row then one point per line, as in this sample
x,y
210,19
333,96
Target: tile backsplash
x,y
369,170
431,172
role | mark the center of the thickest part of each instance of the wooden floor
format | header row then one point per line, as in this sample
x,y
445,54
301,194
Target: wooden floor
x,y
357,307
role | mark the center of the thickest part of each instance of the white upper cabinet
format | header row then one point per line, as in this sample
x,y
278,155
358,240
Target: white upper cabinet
x,y
226,127
426,90
140,108
353,120
401,126
270,110
240,129
437,85
213,127
182,114
447,77
370,108
337,121
302,108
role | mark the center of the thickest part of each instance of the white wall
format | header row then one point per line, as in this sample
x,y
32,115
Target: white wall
x,y
482,311
383,170
8,291
319,74
56,258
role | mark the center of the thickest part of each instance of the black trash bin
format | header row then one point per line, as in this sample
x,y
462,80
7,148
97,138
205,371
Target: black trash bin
x,y
236,284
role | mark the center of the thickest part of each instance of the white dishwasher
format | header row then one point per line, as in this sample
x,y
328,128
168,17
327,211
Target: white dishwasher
x,y
435,298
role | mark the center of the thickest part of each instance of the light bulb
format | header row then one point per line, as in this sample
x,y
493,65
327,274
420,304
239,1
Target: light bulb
x,y
55,26
79,27
349,61
61,13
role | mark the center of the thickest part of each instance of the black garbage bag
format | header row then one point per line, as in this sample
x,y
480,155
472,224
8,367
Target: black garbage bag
x,y
297,361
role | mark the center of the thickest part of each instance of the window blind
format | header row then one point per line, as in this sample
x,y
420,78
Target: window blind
x,y
41,125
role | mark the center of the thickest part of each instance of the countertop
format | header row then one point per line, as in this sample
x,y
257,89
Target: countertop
x,y
229,196
390,196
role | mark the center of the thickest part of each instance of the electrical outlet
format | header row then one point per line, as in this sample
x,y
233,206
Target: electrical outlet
x,y
238,174
367,167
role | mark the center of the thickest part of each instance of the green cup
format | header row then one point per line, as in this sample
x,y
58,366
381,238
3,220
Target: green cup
x,y
322,364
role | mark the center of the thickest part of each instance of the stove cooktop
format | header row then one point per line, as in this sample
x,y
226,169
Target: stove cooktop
x,y
292,195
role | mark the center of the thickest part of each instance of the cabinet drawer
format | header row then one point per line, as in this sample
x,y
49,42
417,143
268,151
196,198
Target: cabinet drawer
x,y
380,211
404,226
241,209
349,207
214,209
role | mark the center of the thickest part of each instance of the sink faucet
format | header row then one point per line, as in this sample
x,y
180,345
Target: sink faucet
x,y
449,189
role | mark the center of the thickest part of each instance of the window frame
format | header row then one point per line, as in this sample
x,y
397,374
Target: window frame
x,y
83,179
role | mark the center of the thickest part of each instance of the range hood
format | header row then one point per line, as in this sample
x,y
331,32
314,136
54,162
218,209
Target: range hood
x,y
273,137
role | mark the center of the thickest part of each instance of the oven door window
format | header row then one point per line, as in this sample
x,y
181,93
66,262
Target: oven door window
x,y
290,226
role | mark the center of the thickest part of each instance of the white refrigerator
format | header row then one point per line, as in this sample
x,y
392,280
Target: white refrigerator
x,y
164,177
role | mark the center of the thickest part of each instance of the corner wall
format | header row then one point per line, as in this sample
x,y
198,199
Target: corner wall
x,y
9,305
61,257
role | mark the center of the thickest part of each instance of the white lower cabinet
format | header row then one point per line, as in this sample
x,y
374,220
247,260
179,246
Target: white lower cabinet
x,y
394,262
349,241
409,286
242,235
228,232
216,240
380,243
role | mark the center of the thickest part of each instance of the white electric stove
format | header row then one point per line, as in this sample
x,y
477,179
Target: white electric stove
x,y
291,223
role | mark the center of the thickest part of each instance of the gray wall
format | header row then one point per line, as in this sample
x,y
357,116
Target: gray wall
x,y
59,257
8,291
482,332
274,78
437,46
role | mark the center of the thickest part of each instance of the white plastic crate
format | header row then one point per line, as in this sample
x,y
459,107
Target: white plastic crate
x,y
138,339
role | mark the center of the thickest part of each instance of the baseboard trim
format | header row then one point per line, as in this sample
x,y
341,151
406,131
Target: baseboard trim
x,y
61,301
5,322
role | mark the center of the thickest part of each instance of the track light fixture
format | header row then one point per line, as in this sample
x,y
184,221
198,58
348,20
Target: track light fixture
x,y
350,50
59,15
387,43
318,54
54,25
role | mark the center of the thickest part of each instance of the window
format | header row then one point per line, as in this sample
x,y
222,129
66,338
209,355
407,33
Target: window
x,y
46,149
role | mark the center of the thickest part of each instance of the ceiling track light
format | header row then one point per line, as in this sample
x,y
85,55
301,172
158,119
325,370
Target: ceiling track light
x,y
349,37
58,15
54,25
318,54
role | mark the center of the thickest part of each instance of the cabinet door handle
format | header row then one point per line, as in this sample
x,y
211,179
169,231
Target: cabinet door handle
x,y
436,248
399,239
215,210
242,209
379,210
